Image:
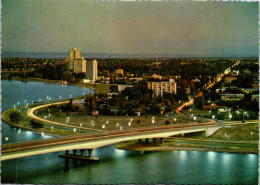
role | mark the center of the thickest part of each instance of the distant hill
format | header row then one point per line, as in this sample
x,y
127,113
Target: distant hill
x,y
62,55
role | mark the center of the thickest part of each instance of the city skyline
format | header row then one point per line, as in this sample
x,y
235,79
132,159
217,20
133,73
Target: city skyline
x,y
167,28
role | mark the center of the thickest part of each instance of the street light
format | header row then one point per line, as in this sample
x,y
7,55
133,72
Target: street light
x,y
7,139
80,125
51,129
18,138
104,127
244,115
213,116
68,119
251,135
230,117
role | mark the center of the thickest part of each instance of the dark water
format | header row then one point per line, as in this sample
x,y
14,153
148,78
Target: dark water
x,y
118,166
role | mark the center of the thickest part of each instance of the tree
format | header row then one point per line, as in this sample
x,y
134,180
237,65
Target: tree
x,y
199,102
15,117
92,104
35,124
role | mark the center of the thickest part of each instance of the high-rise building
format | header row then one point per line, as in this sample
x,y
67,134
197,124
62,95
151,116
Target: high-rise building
x,y
91,70
79,65
76,63
163,87
74,54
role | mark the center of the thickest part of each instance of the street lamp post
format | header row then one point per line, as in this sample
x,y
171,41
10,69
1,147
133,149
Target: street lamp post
x,y
42,134
104,127
244,116
80,125
51,129
195,118
230,117
251,135
7,139
18,138
129,124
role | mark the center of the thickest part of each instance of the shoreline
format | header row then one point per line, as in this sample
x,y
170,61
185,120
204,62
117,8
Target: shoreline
x,y
167,147
99,87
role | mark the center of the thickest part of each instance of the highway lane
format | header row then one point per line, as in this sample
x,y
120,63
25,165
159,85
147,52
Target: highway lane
x,y
30,113
85,137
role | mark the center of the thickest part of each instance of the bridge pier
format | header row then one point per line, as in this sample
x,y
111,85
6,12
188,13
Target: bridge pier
x,y
81,156
154,139
90,152
162,140
82,151
147,140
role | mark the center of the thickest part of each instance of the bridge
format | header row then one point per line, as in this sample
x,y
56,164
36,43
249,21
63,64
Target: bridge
x,y
89,142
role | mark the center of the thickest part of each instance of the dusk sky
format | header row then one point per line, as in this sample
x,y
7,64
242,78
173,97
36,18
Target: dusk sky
x,y
169,27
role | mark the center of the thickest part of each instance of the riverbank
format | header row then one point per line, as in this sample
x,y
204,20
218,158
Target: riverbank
x,y
230,147
98,88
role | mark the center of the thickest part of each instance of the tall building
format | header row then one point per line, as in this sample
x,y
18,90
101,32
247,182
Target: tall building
x,y
74,54
76,63
91,70
79,65
163,87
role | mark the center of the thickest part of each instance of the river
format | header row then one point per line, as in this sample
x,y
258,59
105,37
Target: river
x,y
115,166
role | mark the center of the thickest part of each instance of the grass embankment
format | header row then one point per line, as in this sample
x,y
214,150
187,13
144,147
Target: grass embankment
x,y
236,139
24,123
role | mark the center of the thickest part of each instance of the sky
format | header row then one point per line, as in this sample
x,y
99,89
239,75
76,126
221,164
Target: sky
x,y
141,27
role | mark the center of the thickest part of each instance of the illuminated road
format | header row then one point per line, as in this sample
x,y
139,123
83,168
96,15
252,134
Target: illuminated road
x,y
32,110
191,101
92,141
